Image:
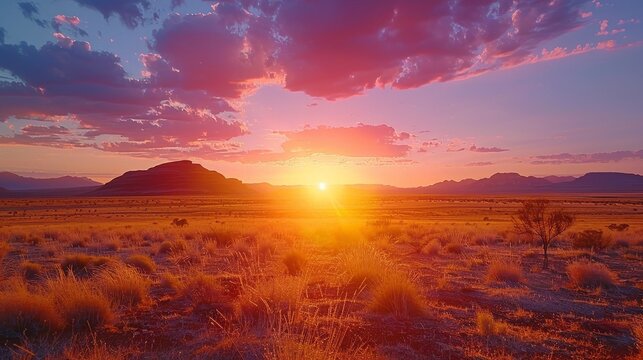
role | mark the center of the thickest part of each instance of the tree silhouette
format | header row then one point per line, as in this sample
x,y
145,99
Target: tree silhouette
x,y
538,220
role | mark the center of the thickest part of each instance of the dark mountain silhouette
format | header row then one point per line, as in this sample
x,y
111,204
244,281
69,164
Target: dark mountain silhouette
x,y
607,182
500,183
559,179
173,178
11,181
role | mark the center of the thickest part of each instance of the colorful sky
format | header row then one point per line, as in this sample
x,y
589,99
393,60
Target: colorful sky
x,y
295,92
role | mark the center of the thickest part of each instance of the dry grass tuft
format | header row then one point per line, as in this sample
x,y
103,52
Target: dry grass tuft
x,y
81,264
504,272
364,265
454,248
173,246
4,249
591,275
80,305
399,296
25,313
295,261
270,299
30,270
170,281
487,325
123,285
432,248
142,263
203,289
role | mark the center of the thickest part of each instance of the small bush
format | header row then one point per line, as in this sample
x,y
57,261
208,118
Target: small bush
x,y
294,261
364,265
203,289
173,246
504,272
432,248
30,270
591,239
4,250
142,263
454,248
81,307
123,285
618,227
113,244
170,281
81,264
399,296
488,326
273,298
179,222
24,313
590,275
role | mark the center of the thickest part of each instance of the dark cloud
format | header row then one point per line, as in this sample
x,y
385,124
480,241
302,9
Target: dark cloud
x,y
30,10
129,11
486,149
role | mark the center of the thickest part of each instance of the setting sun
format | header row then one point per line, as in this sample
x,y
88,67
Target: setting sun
x,y
321,186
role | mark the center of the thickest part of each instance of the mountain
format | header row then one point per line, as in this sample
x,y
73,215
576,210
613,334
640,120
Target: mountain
x,y
605,182
173,178
11,181
500,183
512,183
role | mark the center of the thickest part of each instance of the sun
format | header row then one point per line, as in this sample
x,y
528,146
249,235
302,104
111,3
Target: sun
x,y
321,186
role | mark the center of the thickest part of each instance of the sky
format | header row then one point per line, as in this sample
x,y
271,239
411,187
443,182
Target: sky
x,y
395,92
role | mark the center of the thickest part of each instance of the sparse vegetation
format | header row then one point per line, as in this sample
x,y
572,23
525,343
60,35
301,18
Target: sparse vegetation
x,y
487,325
501,271
591,239
590,275
294,261
30,270
398,296
142,263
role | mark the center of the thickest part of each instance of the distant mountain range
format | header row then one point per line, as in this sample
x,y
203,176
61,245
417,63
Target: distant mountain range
x,y
186,178
11,181
173,178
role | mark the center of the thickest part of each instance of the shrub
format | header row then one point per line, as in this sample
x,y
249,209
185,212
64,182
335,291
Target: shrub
x,y
591,239
24,313
179,222
81,264
170,281
275,298
4,250
141,262
504,272
294,261
590,275
432,248
397,295
123,285
30,270
487,325
454,248
80,306
173,246
113,243
364,265
203,289
618,227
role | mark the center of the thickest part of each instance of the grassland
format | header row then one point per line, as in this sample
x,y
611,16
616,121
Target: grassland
x,y
316,276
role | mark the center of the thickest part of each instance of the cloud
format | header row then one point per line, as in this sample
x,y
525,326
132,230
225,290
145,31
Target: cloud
x,y
72,21
357,141
68,80
3,33
30,10
323,49
129,11
35,130
566,158
481,163
486,149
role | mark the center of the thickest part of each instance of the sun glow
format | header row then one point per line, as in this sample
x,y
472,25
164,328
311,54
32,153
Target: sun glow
x,y
321,186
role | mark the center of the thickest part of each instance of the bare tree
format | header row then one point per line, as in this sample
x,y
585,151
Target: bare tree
x,y
537,219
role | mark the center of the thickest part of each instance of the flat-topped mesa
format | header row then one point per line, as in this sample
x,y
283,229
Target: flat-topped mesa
x,y
173,178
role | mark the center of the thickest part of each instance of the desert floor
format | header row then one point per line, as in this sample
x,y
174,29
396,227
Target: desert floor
x,y
316,276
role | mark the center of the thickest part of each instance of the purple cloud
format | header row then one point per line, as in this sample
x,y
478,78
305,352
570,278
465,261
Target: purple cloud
x,y
566,158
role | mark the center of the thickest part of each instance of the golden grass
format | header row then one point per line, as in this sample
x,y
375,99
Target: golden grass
x,y
487,325
123,285
503,271
22,312
78,302
81,264
203,289
591,275
270,300
170,281
142,263
364,265
399,296
173,246
432,248
295,260
4,249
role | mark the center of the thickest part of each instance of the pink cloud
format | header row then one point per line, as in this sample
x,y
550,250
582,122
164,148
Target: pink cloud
x,y
481,163
486,149
566,158
358,141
